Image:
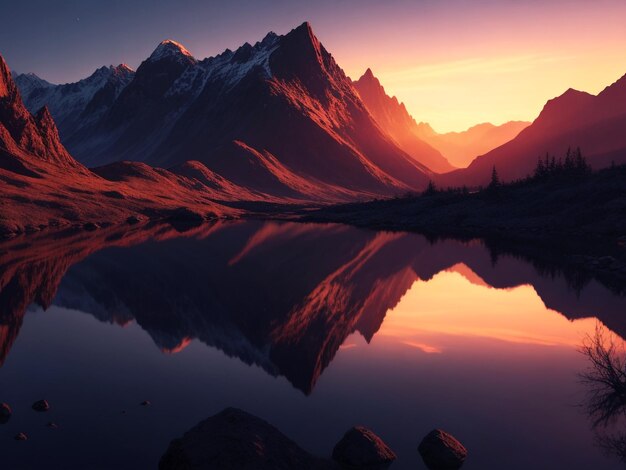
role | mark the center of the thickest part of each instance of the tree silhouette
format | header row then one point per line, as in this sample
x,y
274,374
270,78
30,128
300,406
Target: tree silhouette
x,y
495,179
431,189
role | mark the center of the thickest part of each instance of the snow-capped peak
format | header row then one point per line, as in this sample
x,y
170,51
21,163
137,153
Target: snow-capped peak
x,y
30,80
124,68
169,48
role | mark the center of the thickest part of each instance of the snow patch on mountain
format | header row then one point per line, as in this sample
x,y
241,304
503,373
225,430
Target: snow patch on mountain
x,y
68,101
170,49
229,67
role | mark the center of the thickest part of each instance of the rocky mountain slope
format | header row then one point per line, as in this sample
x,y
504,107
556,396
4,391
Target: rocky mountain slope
x,y
42,185
393,117
278,117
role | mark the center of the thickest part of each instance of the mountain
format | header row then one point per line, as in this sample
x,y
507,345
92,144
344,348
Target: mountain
x,y
596,124
393,117
43,186
279,117
75,105
26,139
461,148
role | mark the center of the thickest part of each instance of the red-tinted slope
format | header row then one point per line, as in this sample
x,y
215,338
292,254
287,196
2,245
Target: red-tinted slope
x,y
42,185
596,124
279,118
24,138
394,119
306,114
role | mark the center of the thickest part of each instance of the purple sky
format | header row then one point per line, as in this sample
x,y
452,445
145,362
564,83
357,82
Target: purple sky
x,y
453,62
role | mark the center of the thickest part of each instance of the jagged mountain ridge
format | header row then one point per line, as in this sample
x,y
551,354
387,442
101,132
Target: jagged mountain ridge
x,y
267,117
43,186
396,120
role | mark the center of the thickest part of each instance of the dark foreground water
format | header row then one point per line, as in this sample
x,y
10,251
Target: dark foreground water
x,y
313,328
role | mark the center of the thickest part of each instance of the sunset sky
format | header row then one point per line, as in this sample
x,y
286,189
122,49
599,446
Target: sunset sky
x,y
454,63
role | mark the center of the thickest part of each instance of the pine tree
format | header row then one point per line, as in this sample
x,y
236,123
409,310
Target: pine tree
x,y
495,180
540,169
431,189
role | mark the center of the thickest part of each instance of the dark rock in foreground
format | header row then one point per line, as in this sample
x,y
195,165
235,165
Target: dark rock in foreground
x,y
441,451
20,437
5,413
360,448
41,405
234,439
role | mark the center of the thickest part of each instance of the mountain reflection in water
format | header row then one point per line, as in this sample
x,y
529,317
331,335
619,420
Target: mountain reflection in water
x,y
389,330
284,296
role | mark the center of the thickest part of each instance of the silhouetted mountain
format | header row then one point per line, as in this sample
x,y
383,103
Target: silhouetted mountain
x,y
575,119
393,117
461,148
279,117
180,287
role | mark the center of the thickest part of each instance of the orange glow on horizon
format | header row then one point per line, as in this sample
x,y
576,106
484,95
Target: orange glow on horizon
x,y
492,64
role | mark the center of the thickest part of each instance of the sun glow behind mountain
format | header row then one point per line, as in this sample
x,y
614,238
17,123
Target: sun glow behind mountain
x,y
453,63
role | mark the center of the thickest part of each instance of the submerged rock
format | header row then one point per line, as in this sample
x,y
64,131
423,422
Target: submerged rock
x,y
145,403
41,405
20,437
442,451
52,425
5,413
234,439
360,448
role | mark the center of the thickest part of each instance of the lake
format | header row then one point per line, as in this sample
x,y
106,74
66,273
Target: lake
x,y
314,328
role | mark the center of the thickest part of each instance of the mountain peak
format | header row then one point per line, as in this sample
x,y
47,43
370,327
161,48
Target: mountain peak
x,y
269,38
369,79
6,81
305,27
122,70
304,33
45,120
169,48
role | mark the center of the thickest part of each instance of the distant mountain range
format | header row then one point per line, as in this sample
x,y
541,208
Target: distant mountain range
x,y
440,152
596,124
461,148
393,117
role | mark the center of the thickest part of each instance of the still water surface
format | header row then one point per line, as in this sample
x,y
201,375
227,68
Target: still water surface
x,y
314,328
